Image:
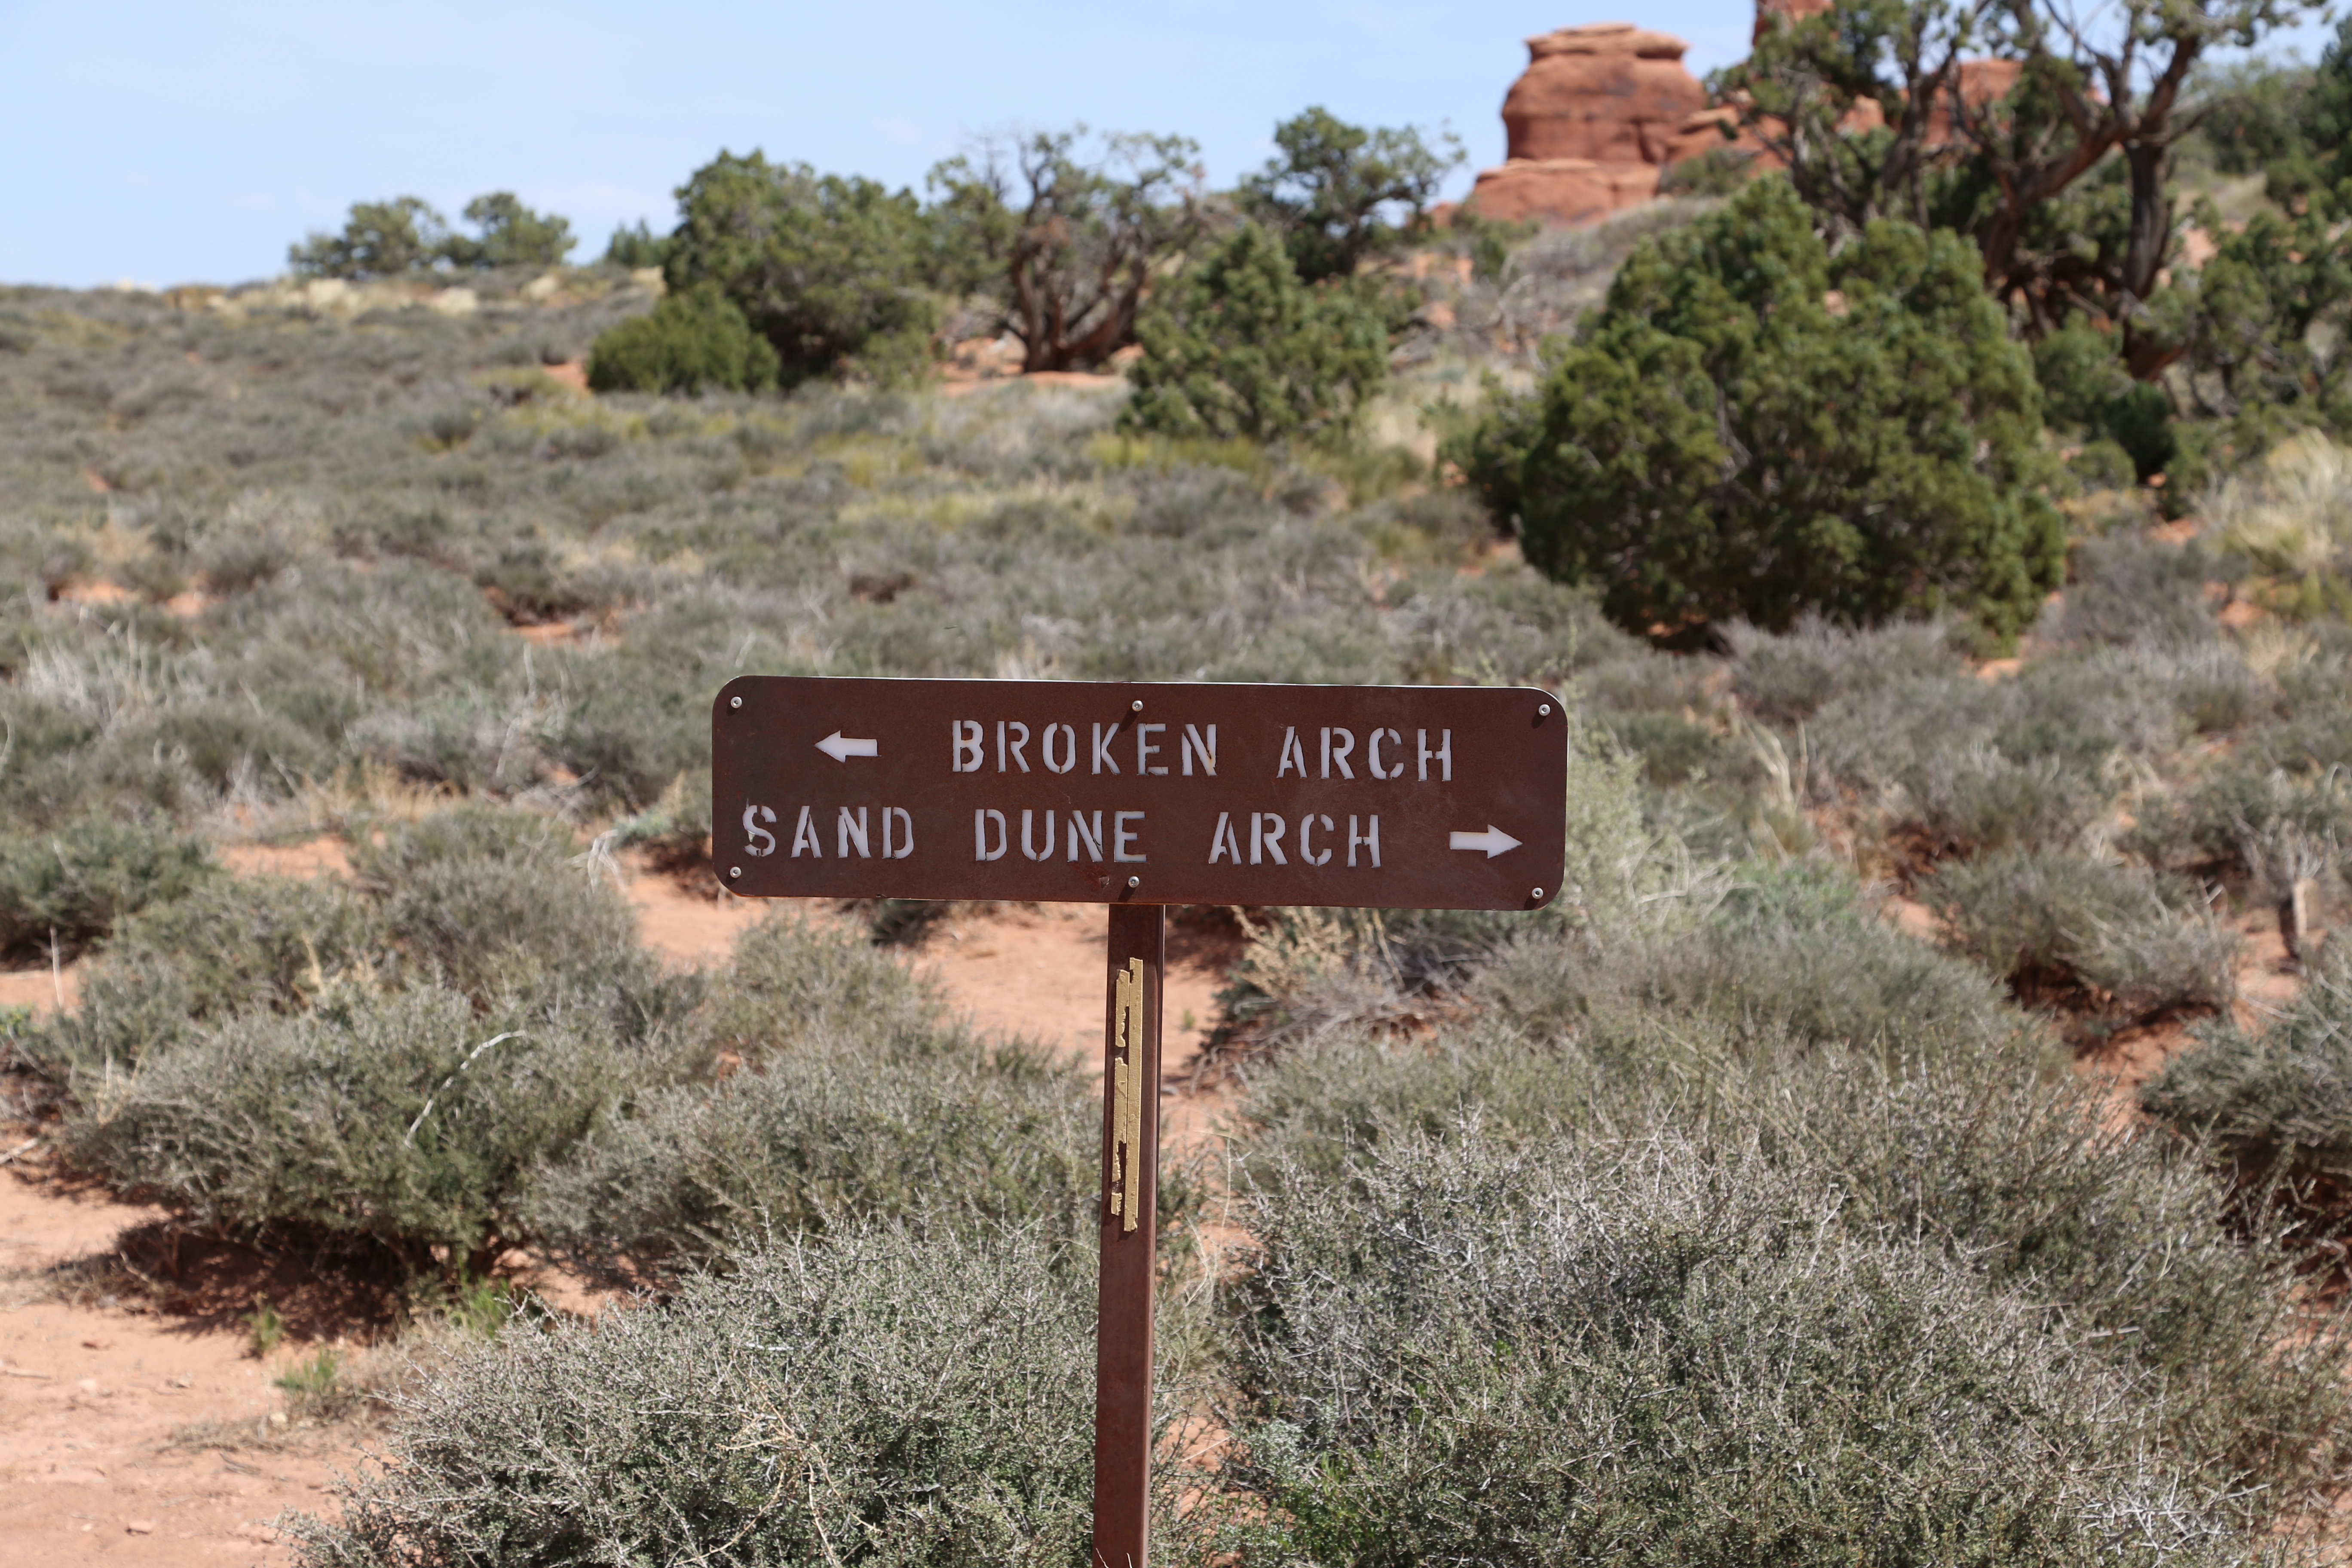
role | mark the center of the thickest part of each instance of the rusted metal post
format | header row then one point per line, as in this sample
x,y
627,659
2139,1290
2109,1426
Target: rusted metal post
x,y
1139,949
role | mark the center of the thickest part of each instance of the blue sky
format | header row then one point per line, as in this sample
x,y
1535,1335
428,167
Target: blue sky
x,y
189,143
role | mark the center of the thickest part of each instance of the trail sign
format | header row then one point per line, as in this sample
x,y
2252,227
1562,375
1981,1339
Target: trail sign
x,y
1390,796
1137,797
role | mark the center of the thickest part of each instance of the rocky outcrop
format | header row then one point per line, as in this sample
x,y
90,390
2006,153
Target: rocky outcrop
x,y
1604,109
1590,123
1561,189
1609,92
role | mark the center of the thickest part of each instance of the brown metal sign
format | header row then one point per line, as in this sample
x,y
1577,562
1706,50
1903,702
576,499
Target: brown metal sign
x,y
1097,791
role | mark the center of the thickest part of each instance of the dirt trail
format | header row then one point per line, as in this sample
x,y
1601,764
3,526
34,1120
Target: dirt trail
x,y
134,1435
129,1436
1031,971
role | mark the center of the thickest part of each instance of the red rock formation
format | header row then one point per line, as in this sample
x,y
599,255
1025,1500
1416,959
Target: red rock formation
x,y
1604,108
1611,92
1561,189
1589,125
1710,131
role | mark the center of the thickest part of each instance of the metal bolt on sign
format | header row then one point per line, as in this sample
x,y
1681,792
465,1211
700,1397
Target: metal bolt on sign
x,y
1362,796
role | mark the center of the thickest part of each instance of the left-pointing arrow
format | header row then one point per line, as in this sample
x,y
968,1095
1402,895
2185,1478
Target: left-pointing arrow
x,y
1494,841
840,748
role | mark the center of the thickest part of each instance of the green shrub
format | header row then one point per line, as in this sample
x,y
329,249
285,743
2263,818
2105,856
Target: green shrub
x,y
2050,923
1237,346
1717,172
793,981
687,342
940,1132
2086,390
635,246
232,945
1725,440
875,1397
1779,983
829,269
1668,1343
70,887
1978,1149
380,239
406,1120
316,1388
1788,677
405,235
2261,315
855,1102
2131,589
485,897
2279,1101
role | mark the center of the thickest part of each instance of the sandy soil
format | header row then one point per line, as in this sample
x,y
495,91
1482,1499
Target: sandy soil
x,y
43,990
136,1425
129,1435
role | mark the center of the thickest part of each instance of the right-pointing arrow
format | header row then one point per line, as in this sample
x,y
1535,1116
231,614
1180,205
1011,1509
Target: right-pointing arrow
x,y
1494,841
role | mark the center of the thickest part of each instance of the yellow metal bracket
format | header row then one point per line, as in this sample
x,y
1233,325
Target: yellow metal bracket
x,y
1127,1091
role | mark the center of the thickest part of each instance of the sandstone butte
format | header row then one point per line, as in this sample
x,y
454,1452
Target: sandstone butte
x,y
1604,109
1588,126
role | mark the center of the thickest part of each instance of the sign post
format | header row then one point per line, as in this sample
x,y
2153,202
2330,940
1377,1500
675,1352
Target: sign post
x,y
1137,797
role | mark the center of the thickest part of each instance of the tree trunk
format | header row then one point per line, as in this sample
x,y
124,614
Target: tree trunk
x,y
2151,237
2151,218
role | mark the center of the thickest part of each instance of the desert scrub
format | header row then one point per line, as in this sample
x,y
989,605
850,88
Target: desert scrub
x,y
871,1396
486,898
2287,515
1789,677
2131,591
1899,1075
233,945
794,984
851,1095
2275,1103
1946,763
937,1129
1792,961
1653,1328
69,887
409,1120
2058,926
1983,1159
